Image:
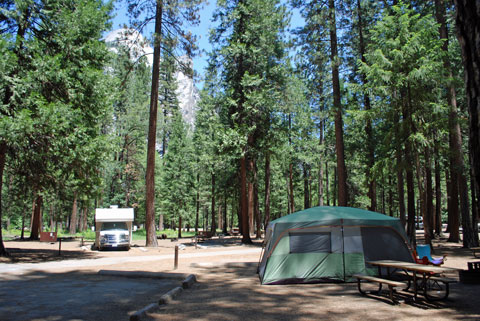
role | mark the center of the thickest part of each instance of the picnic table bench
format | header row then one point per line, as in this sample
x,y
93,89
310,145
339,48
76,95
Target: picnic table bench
x,y
475,250
202,235
391,284
427,278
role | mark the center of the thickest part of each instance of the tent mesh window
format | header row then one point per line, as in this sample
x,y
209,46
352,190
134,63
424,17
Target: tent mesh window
x,y
310,242
380,243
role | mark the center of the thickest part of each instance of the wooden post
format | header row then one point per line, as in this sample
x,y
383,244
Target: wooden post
x,y
59,246
175,265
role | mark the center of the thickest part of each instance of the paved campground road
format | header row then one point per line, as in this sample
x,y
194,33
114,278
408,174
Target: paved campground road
x,y
68,287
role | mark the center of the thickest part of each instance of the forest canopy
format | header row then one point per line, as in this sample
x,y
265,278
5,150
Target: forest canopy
x,y
359,103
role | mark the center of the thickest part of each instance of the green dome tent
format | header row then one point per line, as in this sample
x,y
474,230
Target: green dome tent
x,y
325,244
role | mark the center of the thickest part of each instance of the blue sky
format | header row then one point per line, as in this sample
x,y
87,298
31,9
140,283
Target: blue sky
x,y
201,31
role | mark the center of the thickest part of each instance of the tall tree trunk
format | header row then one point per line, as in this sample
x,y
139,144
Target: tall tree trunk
x,y
458,165
339,145
213,228
267,189
438,193
368,127
475,206
37,217
220,216
290,189
468,33
448,184
320,169
85,218
390,195
80,219
250,195
24,214
52,217
335,180
453,209
197,201
73,217
160,222
327,184
400,183
409,171
306,187
3,156
290,170
320,184
225,218
179,227
256,205
429,219
244,202
151,237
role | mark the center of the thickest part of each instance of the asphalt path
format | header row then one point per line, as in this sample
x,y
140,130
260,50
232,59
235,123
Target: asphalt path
x,y
20,268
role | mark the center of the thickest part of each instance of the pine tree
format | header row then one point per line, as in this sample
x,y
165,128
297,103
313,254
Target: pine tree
x,y
250,51
57,100
170,17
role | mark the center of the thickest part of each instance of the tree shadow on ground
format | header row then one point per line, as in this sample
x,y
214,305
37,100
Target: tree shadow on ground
x,y
77,295
233,292
35,255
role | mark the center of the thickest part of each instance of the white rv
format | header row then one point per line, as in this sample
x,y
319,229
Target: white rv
x,y
113,227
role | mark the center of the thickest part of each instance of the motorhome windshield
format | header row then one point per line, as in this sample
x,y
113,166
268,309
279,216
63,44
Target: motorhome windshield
x,y
111,226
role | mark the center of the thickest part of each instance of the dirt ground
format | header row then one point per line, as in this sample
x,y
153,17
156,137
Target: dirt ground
x,y
227,289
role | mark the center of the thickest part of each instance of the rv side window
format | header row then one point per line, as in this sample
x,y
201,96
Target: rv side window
x,y
310,243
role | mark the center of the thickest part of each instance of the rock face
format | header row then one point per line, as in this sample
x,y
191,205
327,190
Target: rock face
x,y
131,39
187,94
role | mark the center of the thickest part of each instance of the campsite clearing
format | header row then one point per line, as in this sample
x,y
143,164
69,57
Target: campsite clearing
x,y
229,289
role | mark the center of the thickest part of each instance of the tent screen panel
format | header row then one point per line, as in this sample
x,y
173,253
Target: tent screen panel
x,y
310,243
381,243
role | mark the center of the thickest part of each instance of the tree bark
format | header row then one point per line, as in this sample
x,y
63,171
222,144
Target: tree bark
x,y
244,202
409,172
151,237
37,217
335,184
213,228
73,217
267,189
429,213
400,180
256,205
85,218
320,169
339,144
438,193
290,188
250,195
290,170
225,217
475,206
3,156
197,201
327,183
179,226
306,186
368,126
468,32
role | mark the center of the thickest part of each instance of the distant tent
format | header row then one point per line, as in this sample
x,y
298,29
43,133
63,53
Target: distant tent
x,y
325,244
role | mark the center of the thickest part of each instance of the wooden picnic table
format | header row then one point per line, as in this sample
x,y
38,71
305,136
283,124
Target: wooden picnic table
x,y
428,274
